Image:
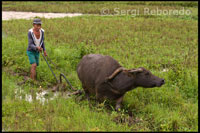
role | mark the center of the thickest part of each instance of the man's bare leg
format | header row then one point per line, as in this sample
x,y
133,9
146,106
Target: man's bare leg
x,y
33,71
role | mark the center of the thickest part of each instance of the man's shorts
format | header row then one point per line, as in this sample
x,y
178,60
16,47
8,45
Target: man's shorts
x,y
33,57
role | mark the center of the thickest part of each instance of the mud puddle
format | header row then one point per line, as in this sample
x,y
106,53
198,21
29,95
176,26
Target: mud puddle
x,y
41,94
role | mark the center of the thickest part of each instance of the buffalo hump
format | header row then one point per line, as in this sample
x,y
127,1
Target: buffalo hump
x,y
94,68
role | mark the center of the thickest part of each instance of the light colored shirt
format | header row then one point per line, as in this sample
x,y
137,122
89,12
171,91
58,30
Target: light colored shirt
x,y
37,41
31,40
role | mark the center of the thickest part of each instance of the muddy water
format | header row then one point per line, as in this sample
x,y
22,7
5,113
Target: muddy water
x,y
40,96
8,15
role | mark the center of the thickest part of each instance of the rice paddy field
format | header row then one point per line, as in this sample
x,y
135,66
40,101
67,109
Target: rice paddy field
x,y
167,45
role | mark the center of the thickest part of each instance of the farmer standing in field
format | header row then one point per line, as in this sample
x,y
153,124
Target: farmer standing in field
x,y
35,46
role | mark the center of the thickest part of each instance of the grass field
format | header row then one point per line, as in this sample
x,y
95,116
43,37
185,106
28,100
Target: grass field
x,y
167,46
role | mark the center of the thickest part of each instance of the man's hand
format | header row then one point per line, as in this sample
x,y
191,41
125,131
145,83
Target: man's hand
x,y
39,48
45,53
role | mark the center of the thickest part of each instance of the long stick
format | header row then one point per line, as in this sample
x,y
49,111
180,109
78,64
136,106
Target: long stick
x,y
66,80
50,68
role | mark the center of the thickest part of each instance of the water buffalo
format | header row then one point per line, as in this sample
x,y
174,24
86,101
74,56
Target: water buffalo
x,y
105,78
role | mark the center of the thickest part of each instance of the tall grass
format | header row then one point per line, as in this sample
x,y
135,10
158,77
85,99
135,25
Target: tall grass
x,y
166,46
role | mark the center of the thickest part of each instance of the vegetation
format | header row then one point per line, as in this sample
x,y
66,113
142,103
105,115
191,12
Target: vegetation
x,y
95,7
167,46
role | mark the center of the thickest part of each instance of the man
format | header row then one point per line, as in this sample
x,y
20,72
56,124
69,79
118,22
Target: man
x,y
35,46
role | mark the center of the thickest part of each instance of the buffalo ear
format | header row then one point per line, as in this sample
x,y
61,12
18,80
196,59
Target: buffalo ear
x,y
132,72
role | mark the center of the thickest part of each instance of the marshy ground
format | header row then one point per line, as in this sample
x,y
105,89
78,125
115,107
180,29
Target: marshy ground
x,y
166,45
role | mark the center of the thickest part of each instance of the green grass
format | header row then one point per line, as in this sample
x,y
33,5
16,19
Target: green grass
x,y
155,43
97,7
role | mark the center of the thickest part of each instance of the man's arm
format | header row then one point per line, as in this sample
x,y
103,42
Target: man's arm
x,y
43,46
30,42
